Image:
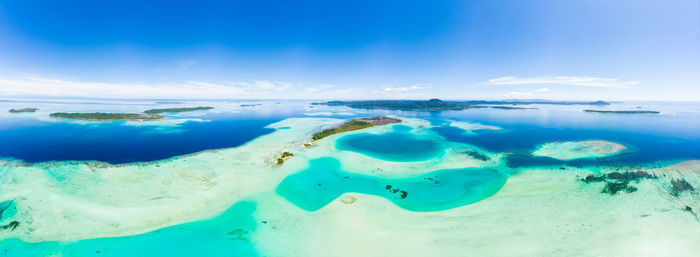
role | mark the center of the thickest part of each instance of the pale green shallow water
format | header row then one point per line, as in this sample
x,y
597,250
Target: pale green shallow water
x,y
226,235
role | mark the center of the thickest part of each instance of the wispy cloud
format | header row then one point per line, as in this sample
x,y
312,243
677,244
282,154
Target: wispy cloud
x,y
544,89
264,85
518,94
394,90
565,80
259,89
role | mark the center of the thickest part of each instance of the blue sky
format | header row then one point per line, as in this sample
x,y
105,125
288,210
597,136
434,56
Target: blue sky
x,y
612,50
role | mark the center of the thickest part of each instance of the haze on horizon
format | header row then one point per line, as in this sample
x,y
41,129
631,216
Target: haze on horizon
x,y
568,50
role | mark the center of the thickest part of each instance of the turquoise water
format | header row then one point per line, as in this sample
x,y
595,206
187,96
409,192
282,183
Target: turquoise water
x,y
226,235
324,181
7,210
400,145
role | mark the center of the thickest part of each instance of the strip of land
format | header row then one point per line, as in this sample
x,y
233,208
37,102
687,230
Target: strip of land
x,y
152,114
440,105
623,112
355,124
23,110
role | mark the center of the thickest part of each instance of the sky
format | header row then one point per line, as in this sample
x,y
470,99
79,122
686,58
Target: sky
x,y
361,49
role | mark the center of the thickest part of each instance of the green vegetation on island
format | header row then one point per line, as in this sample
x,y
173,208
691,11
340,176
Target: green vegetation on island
x,y
440,105
285,155
102,116
23,110
622,112
152,114
355,124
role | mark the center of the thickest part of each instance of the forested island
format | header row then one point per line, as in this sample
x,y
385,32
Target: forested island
x,y
623,112
23,110
355,124
440,105
152,114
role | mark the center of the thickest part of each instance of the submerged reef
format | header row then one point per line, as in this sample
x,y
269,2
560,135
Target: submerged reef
x,y
680,185
355,124
10,226
477,155
619,181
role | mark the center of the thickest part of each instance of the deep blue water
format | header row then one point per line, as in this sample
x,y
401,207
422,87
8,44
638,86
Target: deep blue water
x,y
653,138
115,143
523,139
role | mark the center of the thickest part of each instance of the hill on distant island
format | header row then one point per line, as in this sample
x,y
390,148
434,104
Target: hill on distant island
x,y
440,105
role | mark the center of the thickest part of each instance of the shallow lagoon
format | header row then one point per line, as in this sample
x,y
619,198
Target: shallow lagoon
x,y
399,145
226,235
324,181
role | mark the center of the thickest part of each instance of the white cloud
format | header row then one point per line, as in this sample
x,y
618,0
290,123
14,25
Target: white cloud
x,y
519,94
393,90
544,89
264,85
259,89
564,80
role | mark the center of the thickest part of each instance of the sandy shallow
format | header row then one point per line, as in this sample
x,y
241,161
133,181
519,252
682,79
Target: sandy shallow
x,y
471,127
79,200
579,149
539,212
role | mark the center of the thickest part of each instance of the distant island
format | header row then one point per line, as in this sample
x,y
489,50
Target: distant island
x,y
623,112
355,124
440,105
23,110
152,114
175,110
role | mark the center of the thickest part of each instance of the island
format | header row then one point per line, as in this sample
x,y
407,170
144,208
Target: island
x,y
623,112
23,110
285,155
440,105
511,108
152,114
355,124
175,110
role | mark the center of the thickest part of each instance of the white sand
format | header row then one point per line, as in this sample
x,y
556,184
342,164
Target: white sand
x,y
537,213
470,127
579,149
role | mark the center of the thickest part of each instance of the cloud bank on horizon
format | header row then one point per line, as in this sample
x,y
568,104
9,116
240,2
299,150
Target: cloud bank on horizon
x,y
631,50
